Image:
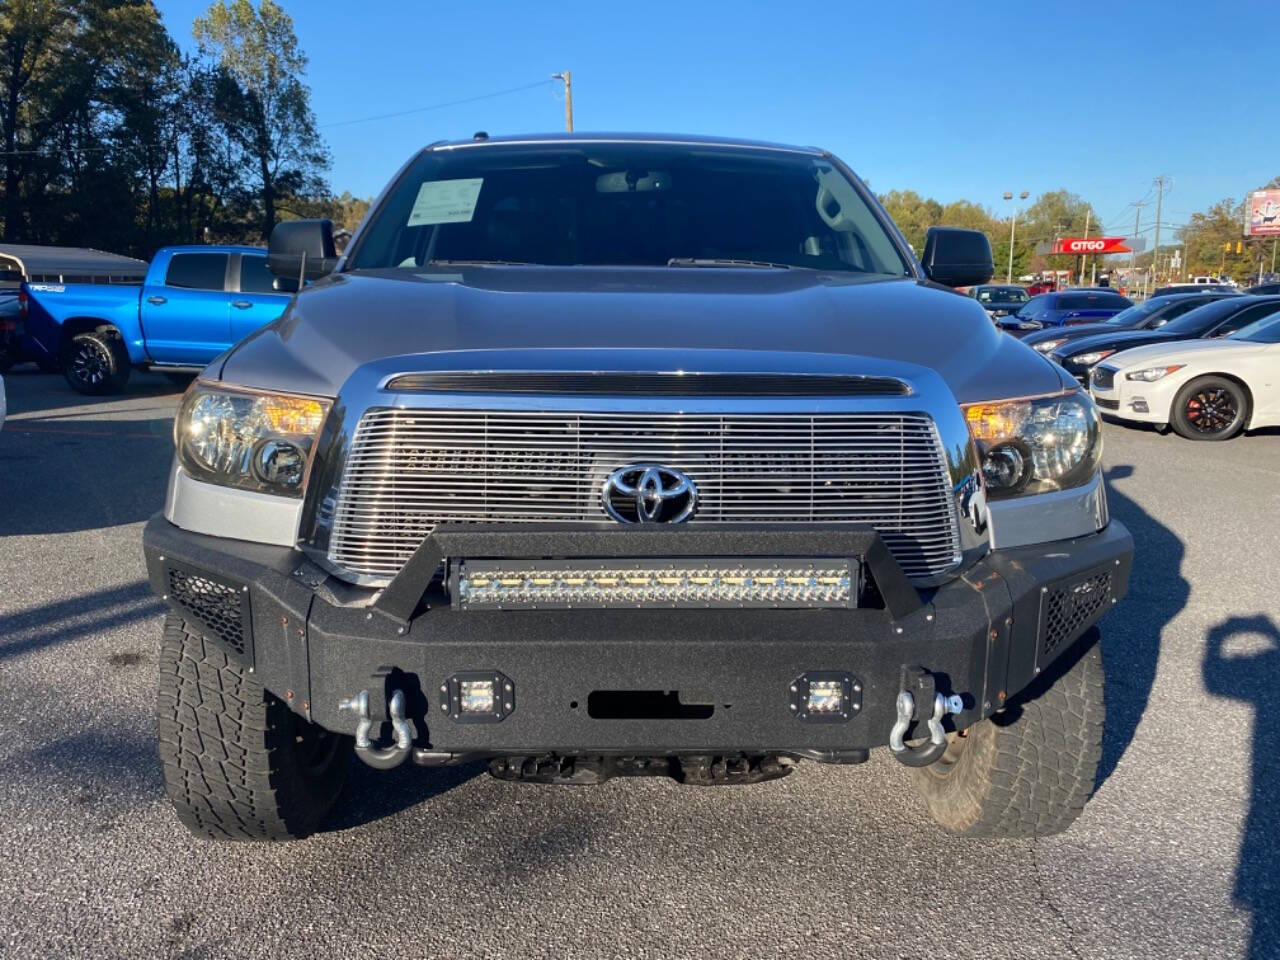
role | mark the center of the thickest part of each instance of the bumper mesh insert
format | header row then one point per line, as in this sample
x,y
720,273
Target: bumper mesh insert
x,y
220,608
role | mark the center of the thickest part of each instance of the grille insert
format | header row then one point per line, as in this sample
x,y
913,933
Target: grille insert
x,y
408,470
1103,377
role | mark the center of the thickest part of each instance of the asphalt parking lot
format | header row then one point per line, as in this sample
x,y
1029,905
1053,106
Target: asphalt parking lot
x,y
1177,856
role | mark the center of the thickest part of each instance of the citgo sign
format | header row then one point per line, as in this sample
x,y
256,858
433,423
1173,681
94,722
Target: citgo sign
x,y
1090,245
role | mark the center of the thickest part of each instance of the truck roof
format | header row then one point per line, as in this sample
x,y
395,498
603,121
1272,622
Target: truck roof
x,y
672,138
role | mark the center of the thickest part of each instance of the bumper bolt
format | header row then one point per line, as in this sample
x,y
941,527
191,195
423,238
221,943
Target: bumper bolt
x,y
288,694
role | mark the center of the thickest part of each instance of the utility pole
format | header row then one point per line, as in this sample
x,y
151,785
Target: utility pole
x,y
568,98
1159,207
1084,257
1133,257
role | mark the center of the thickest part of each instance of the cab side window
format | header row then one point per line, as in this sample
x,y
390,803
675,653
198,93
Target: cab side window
x,y
197,271
254,275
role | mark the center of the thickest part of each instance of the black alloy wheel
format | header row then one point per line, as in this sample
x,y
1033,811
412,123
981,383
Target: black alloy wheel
x,y
90,363
96,363
1210,408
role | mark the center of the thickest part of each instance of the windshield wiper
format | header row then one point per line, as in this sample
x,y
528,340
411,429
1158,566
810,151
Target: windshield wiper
x,y
713,262
478,263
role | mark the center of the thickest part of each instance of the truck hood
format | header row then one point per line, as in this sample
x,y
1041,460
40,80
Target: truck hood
x,y
620,319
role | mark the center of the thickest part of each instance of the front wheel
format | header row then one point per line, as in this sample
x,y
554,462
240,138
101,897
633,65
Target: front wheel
x,y
96,363
1026,771
1210,408
238,763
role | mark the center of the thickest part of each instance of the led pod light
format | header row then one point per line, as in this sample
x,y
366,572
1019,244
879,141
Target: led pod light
x,y
715,582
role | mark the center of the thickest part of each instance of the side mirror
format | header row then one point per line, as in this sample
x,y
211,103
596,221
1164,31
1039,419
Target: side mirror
x,y
957,258
302,250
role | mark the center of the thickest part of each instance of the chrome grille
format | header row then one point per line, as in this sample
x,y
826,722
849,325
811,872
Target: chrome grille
x,y
409,470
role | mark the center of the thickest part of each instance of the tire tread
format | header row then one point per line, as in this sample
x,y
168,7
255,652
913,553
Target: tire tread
x,y
1030,777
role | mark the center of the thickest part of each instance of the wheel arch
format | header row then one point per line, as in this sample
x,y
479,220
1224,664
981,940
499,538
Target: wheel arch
x,y
72,327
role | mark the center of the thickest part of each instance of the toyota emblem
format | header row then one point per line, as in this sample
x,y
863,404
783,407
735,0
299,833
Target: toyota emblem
x,y
649,493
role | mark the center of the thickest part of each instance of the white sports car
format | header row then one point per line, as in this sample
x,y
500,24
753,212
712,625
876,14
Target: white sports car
x,y
1204,389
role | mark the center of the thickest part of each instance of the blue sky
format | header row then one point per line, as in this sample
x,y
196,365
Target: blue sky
x,y
954,100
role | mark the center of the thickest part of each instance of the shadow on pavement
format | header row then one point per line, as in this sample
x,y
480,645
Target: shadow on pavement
x,y
82,617
375,794
1254,678
65,477
1131,634
30,391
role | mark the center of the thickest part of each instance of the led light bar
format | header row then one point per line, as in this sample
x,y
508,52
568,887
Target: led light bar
x,y
714,582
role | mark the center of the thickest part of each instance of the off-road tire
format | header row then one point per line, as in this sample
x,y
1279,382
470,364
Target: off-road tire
x,y
239,764
96,363
1029,770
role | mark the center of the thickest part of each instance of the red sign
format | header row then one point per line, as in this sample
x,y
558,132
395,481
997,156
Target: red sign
x,y
1090,245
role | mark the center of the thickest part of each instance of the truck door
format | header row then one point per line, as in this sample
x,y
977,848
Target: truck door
x,y
254,302
185,320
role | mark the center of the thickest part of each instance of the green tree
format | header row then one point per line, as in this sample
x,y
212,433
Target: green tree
x,y
276,127
36,45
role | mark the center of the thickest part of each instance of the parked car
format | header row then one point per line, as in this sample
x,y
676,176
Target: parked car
x,y
194,303
1213,320
1147,315
1069,307
10,313
1207,287
1203,389
485,481
999,299
1264,289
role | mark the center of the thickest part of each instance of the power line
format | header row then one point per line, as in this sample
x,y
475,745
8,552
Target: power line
x,y
438,106
322,126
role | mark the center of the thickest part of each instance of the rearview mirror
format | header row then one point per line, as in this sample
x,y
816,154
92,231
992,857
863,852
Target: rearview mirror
x,y
302,250
957,258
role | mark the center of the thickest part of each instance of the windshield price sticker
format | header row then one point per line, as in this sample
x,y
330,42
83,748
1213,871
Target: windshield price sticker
x,y
445,201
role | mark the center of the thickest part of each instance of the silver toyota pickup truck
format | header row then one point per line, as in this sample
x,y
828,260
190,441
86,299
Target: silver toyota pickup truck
x,y
632,455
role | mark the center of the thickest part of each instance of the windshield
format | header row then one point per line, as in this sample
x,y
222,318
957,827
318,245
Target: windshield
x,y
1132,315
1266,330
626,204
1002,295
1200,319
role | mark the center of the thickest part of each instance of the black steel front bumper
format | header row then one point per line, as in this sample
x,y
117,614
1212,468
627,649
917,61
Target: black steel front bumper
x,y
314,641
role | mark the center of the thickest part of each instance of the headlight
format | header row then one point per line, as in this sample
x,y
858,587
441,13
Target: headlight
x,y
240,438
1089,359
1048,346
1035,446
1152,374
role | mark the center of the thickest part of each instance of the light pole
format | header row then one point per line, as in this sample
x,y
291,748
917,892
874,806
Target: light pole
x,y
1013,227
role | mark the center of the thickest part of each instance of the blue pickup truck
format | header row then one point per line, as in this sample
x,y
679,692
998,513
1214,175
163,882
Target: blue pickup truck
x,y
194,303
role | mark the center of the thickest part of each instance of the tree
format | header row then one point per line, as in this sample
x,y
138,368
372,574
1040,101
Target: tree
x,y
272,122
36,43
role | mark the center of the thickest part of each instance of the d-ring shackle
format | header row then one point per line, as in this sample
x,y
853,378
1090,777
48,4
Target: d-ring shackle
x,y
927,753
380,758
